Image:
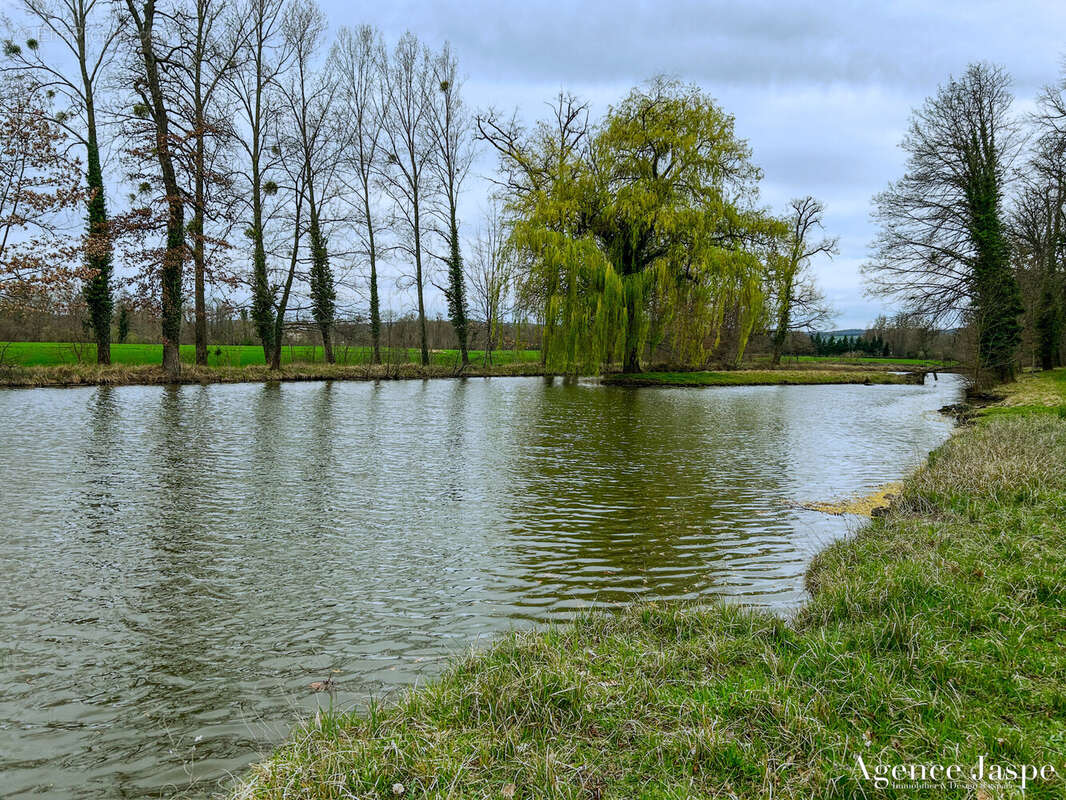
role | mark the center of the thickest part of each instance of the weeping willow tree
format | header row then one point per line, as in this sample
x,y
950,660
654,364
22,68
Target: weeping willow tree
x,y
640,230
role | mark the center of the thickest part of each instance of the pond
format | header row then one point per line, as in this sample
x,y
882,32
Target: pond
x,y
178,564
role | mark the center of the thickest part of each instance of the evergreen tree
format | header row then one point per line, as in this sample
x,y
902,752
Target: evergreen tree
x,y
123,322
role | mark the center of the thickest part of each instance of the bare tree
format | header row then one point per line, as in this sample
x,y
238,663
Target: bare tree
x,y
799,304
149,86
293,188
207,38
452,132
310,98
491,273
942,248
1039,225
39,183
531,160
408,151
86,30
253,84
359,60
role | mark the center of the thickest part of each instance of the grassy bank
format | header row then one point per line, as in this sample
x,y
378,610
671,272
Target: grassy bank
x,y
1037,392
757,377
42,354
937,635
28,364
119,375
866,362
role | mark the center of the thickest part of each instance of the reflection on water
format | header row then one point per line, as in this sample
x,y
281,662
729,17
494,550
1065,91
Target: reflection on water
x,y
178,563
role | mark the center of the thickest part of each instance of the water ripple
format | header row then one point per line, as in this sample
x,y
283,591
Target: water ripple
x,y
179,563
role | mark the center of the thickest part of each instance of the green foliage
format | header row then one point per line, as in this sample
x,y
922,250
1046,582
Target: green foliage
x,y
97,288
262,293
323,292
648,230
997,301
455,293
123,323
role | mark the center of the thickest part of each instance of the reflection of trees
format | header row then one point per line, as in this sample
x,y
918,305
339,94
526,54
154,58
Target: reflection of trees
x,y
455,424
620,493
164,649
101,449
319,463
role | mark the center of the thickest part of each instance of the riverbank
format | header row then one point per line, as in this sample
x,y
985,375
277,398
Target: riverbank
x,y
88,374
66,375
935,636
759,377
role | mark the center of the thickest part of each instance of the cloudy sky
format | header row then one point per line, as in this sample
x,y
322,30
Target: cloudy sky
x,y
821,90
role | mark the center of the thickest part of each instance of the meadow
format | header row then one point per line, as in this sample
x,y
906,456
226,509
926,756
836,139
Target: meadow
x,y
41,354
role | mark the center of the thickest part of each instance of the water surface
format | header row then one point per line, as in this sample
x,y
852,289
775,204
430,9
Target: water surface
x,y
177,564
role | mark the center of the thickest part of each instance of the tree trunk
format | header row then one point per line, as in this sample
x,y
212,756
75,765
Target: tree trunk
x,y
98,287
283,304
780,334
262,301
423,339
198,258
456,292
174,255
327,344
171,294
323,291
375,305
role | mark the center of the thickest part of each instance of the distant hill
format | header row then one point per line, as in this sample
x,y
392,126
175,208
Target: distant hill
x,y
846,332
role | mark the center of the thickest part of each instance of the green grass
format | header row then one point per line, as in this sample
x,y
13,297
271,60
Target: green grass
x,y
34,354
1033,392
753,377
936,635
912,362
763,360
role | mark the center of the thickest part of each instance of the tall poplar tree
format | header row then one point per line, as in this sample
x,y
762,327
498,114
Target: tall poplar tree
x,y
451,130
254,85
149,85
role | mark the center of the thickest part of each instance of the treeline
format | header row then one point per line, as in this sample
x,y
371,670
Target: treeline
x,y
830,345
973,235
228,147
248,155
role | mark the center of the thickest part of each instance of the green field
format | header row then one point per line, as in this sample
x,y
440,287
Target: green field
x,y
935,635
41,354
